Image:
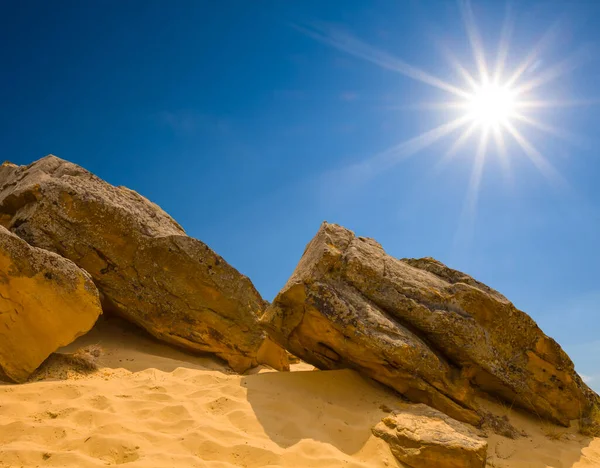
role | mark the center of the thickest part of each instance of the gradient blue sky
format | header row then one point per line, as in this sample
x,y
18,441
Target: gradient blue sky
x,y
250,132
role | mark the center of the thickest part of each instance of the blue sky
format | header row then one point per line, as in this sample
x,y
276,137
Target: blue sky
x,y
252,122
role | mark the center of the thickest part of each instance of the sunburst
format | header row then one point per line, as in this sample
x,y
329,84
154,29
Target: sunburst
x,y
494,103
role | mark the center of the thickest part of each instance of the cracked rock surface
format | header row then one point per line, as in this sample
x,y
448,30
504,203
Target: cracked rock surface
x,y
144,265
434,334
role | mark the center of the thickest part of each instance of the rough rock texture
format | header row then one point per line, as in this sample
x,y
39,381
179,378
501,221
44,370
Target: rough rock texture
x,y
422,437
145,266
45,303
432,333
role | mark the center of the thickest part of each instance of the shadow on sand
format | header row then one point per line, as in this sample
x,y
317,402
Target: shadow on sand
x,y
340,408
334,407
126,346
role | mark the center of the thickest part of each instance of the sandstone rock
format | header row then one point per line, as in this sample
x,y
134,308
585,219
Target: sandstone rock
x,y
145,266
430,332
45,303
422,437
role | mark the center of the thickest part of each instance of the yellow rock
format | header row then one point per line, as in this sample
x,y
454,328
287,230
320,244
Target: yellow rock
x,y
46,302
434,334
145,266
421,437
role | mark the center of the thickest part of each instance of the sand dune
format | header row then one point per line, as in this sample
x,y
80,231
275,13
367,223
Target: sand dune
x,y
153,406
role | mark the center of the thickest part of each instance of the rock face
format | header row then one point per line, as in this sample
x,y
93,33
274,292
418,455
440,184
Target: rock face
x,y
45,303
422,437
430,332
145,266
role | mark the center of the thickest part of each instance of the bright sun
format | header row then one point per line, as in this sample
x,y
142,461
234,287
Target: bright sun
x,y
494,100
491,105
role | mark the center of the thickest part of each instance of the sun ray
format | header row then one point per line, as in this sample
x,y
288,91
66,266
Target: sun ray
x,y
364,170
553,72
418,143
469,210
549,129
502,152
474,39
535,156
458,143
353,46
465,74
440,105
548,104
477,171
503,46
531,58
460,69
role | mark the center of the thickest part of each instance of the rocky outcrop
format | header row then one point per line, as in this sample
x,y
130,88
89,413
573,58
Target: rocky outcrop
x,y
421,437
434,334
145,266
45,303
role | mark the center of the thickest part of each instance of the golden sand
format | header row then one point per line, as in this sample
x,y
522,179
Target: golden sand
x,y
150,406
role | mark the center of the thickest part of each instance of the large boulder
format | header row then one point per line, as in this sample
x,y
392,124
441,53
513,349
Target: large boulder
x,y
146,268
430,332
421,437
46,302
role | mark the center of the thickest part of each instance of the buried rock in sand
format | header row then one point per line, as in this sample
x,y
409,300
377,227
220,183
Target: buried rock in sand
x,y
422,437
